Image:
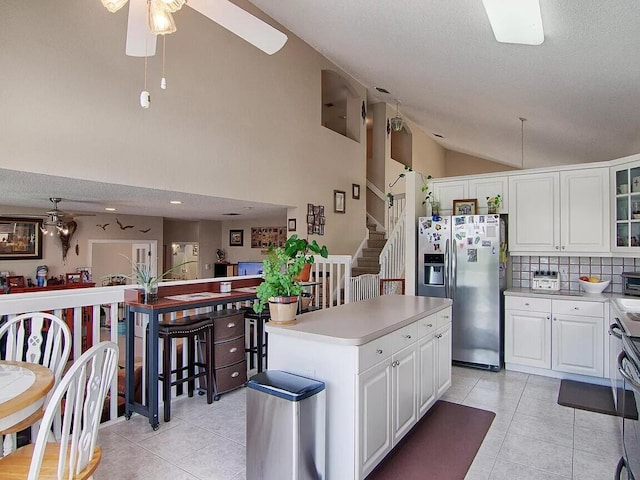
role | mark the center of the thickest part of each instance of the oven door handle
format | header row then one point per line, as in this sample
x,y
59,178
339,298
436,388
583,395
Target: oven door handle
x,y
622,463
623,355
615,330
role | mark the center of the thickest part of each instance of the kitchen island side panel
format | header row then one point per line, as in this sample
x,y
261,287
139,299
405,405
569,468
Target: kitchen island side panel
x,y
336,366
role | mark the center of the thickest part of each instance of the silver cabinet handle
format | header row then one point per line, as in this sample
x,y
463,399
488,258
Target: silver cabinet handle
x,y
231,325
576,308
555,319
235,374
233,350
379,351
408,337
430,325
563,247
556,247
548,317
526,304
445,316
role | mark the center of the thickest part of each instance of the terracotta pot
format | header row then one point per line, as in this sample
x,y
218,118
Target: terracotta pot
x,y
283,310
305,274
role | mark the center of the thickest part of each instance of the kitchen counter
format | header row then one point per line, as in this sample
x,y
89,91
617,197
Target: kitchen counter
x,y
562,294
358,323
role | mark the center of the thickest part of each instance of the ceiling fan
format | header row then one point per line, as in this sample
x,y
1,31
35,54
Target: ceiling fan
x,y
56,221
149,18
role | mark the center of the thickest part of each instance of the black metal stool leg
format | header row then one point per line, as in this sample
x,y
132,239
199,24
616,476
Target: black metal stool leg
x,y
166,377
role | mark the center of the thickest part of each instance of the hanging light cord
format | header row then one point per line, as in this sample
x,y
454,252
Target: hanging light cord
x,y
522,120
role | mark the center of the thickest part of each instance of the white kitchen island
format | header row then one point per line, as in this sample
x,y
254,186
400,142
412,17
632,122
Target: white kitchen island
x,y
384,361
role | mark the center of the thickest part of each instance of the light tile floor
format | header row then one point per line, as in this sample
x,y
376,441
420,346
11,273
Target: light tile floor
x,y
531,438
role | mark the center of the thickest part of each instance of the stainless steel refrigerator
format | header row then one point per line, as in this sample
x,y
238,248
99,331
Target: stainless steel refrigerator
x,y
471,252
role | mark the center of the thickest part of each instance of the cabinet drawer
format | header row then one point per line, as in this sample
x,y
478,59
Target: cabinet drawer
x,y
231,377
229,352
444,317
375,351
427,325
527,304
404,336
231,326
576,307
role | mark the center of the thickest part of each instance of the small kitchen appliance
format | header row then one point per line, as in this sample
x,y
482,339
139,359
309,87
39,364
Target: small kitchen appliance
x,y
631,283
545,280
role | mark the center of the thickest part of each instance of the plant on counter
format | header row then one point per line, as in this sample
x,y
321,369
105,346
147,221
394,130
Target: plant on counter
x,y
143,277
493,203
281,269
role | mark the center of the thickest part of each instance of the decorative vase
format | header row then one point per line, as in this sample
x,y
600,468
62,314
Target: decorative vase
x,y
428,209
492,209
150,293
435,208
283,310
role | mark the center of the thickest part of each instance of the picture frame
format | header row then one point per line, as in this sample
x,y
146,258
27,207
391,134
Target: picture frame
x,y
291,225
20,239
73,277
339,201
355,191
467,206
236,238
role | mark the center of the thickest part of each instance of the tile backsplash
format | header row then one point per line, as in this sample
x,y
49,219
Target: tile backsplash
x,y
571,268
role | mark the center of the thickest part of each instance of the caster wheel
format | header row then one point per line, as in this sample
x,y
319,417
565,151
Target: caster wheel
x,y
155,427
127,416
201,393
216,398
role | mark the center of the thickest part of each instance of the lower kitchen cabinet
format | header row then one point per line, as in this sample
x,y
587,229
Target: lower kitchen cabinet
x,y
558,335
443,355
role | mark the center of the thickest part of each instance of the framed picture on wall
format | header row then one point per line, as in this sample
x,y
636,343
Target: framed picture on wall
x,y
236,238
291,225
467,206
339,199
355,191
20,239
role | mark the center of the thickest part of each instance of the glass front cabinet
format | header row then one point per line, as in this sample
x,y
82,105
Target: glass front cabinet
x,y
626,182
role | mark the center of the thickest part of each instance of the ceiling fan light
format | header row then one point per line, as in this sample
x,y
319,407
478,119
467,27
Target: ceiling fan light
x,y
160,19
114,5
173,5
515,21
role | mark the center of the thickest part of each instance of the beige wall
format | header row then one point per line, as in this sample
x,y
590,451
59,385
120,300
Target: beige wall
x,y
234,122
246,253
456,163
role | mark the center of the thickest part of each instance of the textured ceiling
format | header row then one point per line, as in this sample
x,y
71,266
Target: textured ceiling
x,y
579,90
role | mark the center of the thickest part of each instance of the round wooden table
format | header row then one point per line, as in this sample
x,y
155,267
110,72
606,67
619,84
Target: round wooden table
x,y
23,388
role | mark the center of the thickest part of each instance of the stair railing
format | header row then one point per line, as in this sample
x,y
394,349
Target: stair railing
x,y
392,257
395,211
365,286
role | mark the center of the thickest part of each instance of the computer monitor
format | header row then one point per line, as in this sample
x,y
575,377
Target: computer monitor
x,y
249,268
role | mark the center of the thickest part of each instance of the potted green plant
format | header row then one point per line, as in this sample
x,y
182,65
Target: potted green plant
x,y
493,204
424,188
281,272
149,283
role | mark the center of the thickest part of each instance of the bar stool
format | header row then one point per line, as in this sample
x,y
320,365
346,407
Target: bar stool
x,y
259,348
189,328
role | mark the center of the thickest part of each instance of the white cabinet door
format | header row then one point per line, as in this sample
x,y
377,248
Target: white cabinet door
x,y
578,344
447,192
443,353
527,338
534,221
375,435
481,188
404,379
427,362
584,210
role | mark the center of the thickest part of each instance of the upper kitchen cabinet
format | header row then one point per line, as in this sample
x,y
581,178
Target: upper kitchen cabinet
x,y
625,181
560,212
479,188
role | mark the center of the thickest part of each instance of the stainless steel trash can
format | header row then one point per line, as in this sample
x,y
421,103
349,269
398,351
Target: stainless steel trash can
x,y
285,427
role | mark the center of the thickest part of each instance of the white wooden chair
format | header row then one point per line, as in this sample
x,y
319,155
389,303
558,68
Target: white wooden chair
x,y
36,338
80,394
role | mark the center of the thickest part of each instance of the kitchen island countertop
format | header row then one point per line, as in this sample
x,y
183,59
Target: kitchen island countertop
x,y
358,323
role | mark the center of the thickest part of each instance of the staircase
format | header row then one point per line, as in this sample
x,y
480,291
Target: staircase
x,y
369,261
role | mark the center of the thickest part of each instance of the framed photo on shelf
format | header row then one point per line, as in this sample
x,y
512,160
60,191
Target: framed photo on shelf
x,y
339,199
73,277
291,225
20,239
467,206
355,191
236,238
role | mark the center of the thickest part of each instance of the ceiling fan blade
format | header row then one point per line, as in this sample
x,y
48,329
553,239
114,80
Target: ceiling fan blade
x,y
140,41
242,23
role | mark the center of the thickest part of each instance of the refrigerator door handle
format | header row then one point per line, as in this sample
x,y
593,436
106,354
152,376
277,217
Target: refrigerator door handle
x,y
447,272
454,270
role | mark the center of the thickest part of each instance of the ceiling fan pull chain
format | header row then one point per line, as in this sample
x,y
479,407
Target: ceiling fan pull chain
x,y
163,81
145,98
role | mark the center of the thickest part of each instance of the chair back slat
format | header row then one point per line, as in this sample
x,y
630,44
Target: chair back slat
x,y
83,389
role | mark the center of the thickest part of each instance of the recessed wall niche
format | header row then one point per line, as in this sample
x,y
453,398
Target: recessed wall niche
x,y
341,106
